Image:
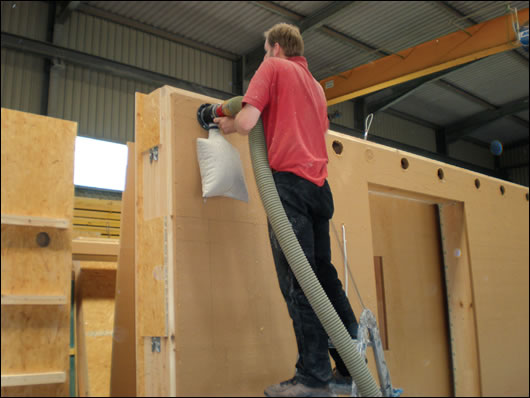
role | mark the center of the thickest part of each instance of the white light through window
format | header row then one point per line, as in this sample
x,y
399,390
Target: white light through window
x,y
100,164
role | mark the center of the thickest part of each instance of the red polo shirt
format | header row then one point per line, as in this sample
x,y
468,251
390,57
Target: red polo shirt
x,y
294,114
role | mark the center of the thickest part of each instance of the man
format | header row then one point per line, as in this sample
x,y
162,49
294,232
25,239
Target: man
x,y
293,109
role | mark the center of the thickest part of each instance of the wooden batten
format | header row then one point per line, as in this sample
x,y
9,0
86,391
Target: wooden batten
x,y
29,379
35,221
33,300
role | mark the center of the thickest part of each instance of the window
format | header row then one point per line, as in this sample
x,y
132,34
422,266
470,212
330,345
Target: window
x,y
100,164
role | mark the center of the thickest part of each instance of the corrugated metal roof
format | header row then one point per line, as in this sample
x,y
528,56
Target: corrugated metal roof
x,y
436,104
480,11
392,26
304,8
523,115
498,79
320,49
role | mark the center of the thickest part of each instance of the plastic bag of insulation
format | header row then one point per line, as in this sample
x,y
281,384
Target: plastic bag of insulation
x,y
221,168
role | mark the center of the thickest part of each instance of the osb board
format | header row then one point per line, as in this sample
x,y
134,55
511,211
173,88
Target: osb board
x,y
406,236
150,256
37,165
212,241
35,340
150,266
97,284
28,269
123,366
37,180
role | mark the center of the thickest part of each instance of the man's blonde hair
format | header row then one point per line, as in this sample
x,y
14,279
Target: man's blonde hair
x,y
288,37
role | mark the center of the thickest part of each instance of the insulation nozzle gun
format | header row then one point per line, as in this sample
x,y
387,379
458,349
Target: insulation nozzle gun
x,y
208,112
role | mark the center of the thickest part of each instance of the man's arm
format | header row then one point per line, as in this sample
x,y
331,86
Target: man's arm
x,y
244,121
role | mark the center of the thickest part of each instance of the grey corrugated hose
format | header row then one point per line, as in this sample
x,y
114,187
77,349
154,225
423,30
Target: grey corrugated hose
x,y
301,268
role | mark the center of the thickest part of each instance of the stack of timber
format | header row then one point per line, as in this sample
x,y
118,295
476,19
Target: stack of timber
x,y
440,254
37,205
97,217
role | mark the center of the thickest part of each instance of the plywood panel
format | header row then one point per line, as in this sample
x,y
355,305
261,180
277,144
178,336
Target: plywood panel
x,y
406,236
497,227
37,181
29,269
457,269
123,367
37,154
150,266
97,284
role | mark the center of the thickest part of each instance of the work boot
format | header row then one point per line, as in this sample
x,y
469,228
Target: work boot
x,y
293,388
342,385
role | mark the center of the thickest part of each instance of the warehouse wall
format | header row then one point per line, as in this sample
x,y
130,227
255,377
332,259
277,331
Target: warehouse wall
x,y
468,152
516,162
386,126
102,103
24,81
396,129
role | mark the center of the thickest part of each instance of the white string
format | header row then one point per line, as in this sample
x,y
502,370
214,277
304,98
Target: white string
x,y
347,267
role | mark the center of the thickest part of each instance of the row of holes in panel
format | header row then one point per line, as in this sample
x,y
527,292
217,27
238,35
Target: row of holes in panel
x,y
338,148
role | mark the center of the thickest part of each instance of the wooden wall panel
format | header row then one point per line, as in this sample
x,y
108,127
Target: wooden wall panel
x,y
37,181
123,367
97,284
230,318
406,236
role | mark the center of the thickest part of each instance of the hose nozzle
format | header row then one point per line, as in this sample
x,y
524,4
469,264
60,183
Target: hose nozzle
x,y
207,112
205,115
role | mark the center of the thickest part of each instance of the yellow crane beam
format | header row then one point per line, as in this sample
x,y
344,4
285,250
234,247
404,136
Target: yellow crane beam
x,y
466,45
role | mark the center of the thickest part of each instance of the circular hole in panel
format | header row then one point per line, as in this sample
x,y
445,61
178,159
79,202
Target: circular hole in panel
x,y
404,163
43,239
440,174
337,147
477,183
502,190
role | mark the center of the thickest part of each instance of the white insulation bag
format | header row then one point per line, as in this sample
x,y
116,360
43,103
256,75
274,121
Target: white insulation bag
x,y
221,168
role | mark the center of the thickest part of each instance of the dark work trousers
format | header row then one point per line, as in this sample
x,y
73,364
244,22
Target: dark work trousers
x,y
309,209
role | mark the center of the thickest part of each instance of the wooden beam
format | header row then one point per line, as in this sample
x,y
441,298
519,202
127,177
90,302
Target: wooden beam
x,y
34,221
93,246
478,41
29,379
460,300
33,300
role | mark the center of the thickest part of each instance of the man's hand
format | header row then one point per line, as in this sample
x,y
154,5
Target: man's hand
x,y
226,124
244,121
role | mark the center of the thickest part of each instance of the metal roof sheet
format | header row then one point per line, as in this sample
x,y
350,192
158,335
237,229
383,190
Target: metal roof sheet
x,y
381,27
392,26
498,79
436,104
